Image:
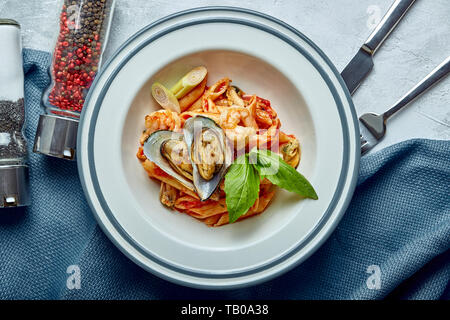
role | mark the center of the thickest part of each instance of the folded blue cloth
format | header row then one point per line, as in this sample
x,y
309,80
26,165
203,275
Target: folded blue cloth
x,y
393,242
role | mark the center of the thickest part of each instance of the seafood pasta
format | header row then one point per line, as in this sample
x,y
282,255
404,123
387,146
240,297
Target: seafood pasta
x,y
191,165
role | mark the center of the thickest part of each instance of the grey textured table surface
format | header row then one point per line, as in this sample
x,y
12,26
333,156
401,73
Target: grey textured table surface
x,y
339,27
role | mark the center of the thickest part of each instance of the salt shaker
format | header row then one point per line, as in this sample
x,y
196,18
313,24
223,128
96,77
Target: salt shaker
x,y
13,146
83,33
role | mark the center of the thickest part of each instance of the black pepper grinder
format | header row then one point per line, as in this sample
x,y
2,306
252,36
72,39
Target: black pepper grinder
x,y
13,146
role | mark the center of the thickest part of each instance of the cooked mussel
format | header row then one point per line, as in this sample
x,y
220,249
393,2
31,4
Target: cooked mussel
x,y
198,159
168,195
176,153
210,154
207,153
168,150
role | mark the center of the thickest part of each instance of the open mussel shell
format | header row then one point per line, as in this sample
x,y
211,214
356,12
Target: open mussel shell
x,y
159,148
204,138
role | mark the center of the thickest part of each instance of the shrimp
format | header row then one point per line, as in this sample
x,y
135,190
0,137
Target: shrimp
x,y
240,136
230,117
266,138
160,120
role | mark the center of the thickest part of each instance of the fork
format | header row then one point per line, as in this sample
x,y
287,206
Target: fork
x,y
373,127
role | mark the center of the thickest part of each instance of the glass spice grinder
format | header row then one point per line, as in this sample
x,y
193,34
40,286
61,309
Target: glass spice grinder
x,y
83,33
13,146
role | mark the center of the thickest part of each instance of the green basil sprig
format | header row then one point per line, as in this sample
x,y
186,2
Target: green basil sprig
x,y
244,175
241,187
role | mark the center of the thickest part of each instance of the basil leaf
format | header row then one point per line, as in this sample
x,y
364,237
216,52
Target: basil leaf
x,y
241,187
271,166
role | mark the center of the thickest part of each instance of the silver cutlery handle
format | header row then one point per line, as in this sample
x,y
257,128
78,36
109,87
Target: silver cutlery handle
x,y
431,79
387,24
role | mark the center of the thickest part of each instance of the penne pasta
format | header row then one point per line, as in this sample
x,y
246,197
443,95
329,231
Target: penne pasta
x,y
189,114
211,209
211,221
197,105
217,89
187,101
156,173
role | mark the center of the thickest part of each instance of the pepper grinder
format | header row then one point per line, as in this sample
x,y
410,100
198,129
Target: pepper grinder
x,y
83,34
14,178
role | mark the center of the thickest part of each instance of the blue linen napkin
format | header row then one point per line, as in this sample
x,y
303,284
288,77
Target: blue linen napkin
x,y
393,242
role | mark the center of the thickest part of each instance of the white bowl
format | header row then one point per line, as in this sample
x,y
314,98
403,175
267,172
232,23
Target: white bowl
x,y
262,56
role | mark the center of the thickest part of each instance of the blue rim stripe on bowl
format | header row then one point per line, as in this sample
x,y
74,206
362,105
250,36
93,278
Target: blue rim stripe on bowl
x,y
345,129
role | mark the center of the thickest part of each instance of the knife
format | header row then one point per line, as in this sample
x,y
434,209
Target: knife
x,y
362,63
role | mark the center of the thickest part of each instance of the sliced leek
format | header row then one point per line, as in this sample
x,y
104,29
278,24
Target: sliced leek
x,y
165,97
189,82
